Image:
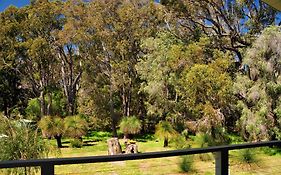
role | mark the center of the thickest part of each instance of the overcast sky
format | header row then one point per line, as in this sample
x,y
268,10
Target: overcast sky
x,y
6,3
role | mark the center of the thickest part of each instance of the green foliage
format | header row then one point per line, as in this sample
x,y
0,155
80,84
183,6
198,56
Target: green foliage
x,y
165,130
33,108
20,143
180,143
52,126
110,59
98,135
186,164
75,126
76,143
271,151
164,57
130,125
260,91
247,156
203,140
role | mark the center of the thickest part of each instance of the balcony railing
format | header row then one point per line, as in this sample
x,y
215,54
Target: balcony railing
x,y
221,157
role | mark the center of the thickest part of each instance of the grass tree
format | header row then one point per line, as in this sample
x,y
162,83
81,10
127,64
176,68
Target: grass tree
x,y
52,126
76,126
165,130
130,125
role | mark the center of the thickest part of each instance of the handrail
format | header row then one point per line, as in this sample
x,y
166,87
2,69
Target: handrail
x,y
50,163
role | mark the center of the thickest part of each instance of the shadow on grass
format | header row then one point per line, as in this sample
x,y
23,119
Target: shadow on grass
x,y
89,143
66,144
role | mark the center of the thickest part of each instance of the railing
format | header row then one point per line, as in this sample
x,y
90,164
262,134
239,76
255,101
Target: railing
x,y
221,158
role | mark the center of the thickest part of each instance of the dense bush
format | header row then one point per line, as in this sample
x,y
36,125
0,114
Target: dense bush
x,y
76,143
20,142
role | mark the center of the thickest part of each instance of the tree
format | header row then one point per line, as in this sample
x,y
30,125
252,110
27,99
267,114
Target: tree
x,y
75,126
206,90
52,126
29,47
158,68
258,88
10,92
116,29
130,125
231,24
166,131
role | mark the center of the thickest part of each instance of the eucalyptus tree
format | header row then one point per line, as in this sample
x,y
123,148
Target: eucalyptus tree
x,y
259,89
233,25
71,49
116,28
27,46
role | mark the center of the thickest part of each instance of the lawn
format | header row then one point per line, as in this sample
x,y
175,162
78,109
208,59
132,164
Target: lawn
x,y
261,161
203,164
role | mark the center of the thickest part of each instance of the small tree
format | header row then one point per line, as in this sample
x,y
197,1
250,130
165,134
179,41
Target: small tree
x,y
76,126
52,127
166,131
130,125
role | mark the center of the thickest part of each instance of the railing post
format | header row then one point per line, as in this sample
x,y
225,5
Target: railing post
x,y
47,169
222,162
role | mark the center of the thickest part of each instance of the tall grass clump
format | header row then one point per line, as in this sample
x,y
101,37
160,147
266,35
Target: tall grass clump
x,y
20,142
247,156
186,164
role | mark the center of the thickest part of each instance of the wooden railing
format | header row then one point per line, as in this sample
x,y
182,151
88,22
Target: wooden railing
x,y
221,157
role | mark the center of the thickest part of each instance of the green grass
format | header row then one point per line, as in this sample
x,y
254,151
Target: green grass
x,y
162,166
266,164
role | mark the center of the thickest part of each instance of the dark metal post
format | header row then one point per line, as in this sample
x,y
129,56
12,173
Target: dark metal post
x,y
47,169
222,162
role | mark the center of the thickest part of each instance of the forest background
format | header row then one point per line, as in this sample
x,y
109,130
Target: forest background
x,y
209,66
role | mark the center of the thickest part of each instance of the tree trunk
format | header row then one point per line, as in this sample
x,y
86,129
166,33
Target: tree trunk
x,y
49,106
112,115
6,108
114,146
71,102
131,148
70,78
58,138
166,142
42,103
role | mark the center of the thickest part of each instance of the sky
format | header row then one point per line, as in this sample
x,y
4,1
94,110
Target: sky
x,y
18,3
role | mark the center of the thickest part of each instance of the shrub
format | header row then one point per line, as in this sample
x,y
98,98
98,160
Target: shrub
x,y
247,156
20,143
186,164
76,143
271,151
33,108
180,143
203,140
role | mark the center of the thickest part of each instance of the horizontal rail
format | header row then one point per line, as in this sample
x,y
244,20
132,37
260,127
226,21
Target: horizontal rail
x,y
122,157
